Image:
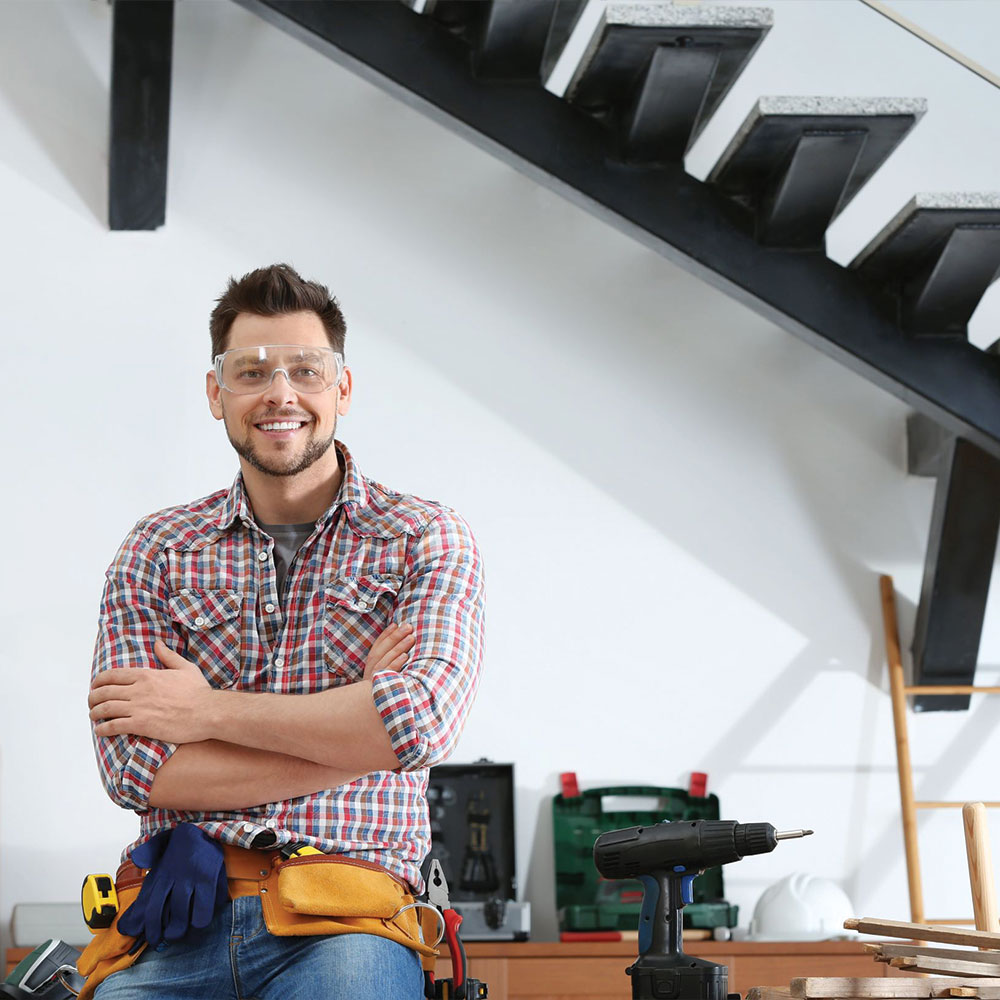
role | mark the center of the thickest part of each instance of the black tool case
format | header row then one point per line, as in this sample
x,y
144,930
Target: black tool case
x,y
472,835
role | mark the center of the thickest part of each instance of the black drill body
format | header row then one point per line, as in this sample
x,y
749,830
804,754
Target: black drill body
x,y
666,858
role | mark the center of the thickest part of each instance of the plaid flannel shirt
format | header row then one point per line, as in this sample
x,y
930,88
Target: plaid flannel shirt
x,y
202,578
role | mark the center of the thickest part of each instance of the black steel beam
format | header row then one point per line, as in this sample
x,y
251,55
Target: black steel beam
x,y
933,261
812,145
670,69
141,50
801,199
943,296
684,219
667,103
960,554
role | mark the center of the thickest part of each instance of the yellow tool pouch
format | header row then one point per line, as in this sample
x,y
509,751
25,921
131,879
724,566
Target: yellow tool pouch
x,y
323,894
108,950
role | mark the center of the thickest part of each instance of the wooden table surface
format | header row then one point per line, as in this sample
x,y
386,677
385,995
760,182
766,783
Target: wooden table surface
x,y
585,970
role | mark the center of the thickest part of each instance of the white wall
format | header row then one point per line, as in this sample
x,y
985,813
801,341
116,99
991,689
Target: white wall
x,y
683,509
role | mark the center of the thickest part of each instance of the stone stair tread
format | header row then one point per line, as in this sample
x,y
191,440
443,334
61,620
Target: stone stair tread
x,y
819,107
688,15
657,18
986,205
658,71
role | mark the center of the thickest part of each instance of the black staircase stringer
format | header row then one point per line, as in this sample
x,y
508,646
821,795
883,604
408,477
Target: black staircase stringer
x,y
683,219
960,555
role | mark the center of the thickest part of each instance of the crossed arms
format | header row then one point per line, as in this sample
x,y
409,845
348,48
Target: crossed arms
x,y
166,738
239,749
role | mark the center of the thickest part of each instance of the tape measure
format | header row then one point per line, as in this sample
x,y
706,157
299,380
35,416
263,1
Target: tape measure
x,y
99,901
298,851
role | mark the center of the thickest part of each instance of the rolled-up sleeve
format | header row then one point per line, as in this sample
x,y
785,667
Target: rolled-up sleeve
x,y
133,617
424,706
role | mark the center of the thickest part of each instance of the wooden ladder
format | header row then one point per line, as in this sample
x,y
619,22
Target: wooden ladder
x,y
909,804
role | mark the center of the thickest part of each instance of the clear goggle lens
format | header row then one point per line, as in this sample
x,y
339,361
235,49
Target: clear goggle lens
x,y
248,370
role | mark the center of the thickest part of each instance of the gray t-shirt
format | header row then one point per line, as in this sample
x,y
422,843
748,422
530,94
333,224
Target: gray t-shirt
x,y
288,539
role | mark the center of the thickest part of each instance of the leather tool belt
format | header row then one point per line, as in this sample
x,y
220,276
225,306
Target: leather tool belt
x,y
312,895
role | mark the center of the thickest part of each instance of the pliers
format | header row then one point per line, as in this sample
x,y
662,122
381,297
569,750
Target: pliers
x,y
458,987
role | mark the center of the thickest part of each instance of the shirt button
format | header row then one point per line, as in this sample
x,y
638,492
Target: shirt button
x,y
185,591
199,621
362,604
271,824
268,608
248,828
279,661
262,556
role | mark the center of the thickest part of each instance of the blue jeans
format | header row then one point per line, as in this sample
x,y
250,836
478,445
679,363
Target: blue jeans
x,y
235,958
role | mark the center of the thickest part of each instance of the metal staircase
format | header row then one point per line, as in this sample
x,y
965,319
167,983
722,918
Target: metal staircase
x,y
647,84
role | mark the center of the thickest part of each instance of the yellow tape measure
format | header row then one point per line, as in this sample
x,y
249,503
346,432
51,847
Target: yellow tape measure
x,y
99,901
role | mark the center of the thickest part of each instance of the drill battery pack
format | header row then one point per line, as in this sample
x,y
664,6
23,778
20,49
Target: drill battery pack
x,y
472,835
587,902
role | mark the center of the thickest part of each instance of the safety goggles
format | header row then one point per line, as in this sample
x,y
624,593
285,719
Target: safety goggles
x,y
247,370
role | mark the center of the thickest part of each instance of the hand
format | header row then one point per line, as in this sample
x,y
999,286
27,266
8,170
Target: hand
x,y
390,650
168,704
184,887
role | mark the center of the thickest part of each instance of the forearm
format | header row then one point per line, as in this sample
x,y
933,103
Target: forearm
x,y
339,728
213,775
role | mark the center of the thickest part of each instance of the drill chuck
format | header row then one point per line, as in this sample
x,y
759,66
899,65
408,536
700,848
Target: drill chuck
x,y
754,838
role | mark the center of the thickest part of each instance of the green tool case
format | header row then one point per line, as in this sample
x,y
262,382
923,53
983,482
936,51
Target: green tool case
x,y
585,901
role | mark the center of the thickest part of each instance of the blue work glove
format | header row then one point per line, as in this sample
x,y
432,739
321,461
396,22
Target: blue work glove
x,y
185,885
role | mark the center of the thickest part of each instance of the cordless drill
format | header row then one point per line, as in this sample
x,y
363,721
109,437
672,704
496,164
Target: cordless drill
x,y
666,858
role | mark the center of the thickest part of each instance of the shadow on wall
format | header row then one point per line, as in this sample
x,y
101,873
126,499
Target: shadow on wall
x,y
539,884
59,98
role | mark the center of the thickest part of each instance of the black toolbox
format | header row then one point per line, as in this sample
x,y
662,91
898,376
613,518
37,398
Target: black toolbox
x,y
472,836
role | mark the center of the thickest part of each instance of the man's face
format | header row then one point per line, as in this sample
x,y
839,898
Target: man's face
x,y
250,419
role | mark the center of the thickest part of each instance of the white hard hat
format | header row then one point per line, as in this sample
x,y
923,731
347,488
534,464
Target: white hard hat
x,y
801,908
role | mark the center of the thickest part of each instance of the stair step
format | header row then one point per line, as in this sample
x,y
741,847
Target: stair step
x,y
935,260
796,162
508,37
657,72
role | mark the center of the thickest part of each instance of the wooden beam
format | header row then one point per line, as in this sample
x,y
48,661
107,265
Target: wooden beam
x,y
980,858
922,932
904,765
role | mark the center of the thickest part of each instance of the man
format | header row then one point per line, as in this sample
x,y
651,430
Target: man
x,y
277,665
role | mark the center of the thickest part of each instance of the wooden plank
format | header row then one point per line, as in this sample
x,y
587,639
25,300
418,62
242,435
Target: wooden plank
x,y
841,988
948,965
834,987
981,992
912,951
923,932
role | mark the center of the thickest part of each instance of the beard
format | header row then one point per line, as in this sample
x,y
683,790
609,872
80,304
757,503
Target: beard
x,y
291,466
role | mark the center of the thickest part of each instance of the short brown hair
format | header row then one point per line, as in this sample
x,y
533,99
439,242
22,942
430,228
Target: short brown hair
x,y
274,291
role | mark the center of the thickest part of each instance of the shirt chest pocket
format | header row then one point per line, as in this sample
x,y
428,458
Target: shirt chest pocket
x,y
210,621
358,608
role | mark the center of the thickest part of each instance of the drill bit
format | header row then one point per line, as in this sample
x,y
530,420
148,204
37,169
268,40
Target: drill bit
x,y
792,834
